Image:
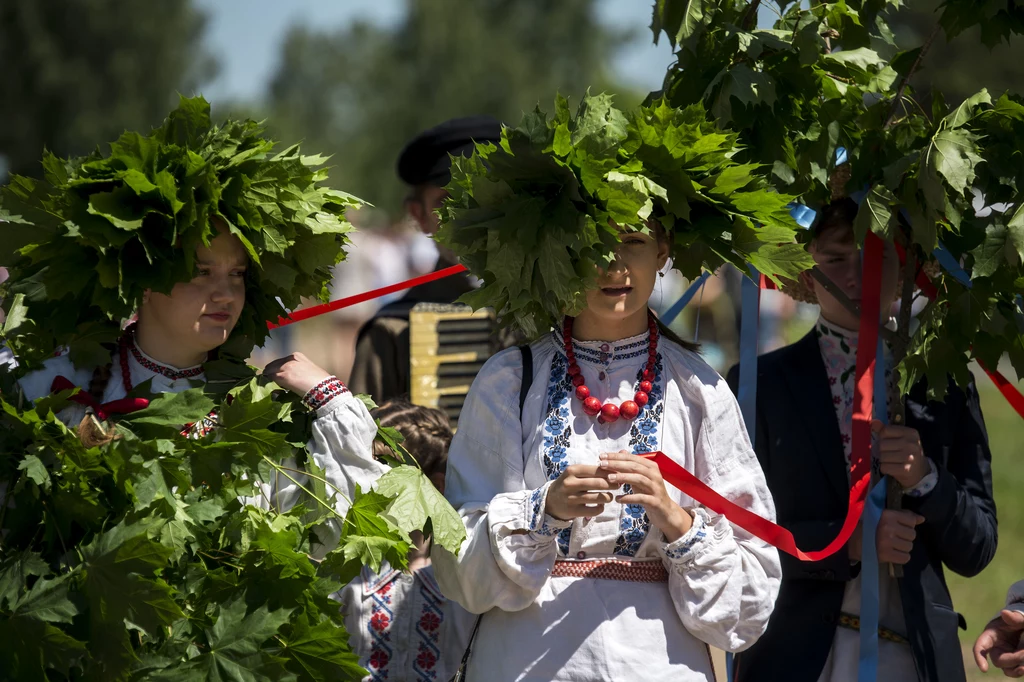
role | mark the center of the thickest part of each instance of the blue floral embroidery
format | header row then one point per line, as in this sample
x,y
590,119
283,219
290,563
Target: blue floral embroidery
x,y
556,433
535,500
634,524
698,533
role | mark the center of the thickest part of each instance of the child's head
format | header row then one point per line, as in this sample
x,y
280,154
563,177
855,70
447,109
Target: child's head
x,y
837,255
624,289
198,315
426,432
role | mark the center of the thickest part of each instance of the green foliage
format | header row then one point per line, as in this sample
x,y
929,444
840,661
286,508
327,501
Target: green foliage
x,y
85,243
364,90
819,80
535,216
156,557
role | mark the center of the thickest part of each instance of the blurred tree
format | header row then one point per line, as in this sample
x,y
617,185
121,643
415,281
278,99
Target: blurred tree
x,y
78,72
361,92
961,67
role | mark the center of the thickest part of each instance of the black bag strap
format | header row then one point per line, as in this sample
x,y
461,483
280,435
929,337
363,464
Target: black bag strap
x,y
524,389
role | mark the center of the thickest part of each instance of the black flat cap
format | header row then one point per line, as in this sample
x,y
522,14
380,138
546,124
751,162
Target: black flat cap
x,y
425,161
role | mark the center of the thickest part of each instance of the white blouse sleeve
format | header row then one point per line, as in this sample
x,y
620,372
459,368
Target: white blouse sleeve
x,y
722,579
510,547
342,446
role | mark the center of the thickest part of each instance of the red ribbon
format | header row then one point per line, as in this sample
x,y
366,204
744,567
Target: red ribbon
x,y
1009,391
758,526
121,406
307,313
860,466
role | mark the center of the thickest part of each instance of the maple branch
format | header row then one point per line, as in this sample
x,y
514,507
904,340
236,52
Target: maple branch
x,y
322,480
750,18
3,511
900,346
303,488
906,79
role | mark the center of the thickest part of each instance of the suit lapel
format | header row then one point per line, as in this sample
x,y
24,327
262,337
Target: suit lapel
x,y
808,385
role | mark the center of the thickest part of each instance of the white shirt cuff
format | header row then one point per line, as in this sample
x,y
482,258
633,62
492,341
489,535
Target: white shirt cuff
x,y
540,522
926,484
682,550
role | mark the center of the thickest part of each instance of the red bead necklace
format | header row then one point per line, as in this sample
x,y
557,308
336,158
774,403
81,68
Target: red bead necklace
x,y
610,412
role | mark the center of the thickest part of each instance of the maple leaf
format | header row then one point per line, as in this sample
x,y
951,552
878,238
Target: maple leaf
x,y
321,652
413,500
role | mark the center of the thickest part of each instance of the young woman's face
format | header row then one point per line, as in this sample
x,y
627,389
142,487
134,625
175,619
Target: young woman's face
x,y
839,258
199,315
626,286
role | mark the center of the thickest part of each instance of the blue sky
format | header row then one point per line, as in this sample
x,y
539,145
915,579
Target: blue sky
x,y
246,35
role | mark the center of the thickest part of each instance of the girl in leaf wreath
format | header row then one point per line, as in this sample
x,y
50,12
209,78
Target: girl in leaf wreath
x,y
201,234
585,564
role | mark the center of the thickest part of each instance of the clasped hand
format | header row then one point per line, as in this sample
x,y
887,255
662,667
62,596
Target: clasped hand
x,y
894,537
901,454
582,490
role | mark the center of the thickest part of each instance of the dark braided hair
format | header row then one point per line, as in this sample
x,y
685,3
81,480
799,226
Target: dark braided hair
x,y
425,429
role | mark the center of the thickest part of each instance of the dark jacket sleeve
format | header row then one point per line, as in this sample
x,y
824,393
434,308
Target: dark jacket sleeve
x,y
809,535
375,368
960,513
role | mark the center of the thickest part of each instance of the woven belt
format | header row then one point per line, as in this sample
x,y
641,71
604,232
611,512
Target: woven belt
x,y
612,569
852,622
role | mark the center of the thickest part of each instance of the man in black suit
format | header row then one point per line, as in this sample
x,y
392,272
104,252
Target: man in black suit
x,y
802,439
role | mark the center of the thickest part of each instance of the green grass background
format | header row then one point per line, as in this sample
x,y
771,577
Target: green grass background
x,y
979,598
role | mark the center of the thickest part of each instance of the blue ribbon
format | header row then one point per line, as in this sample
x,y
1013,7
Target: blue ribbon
x,y
747,393
950,265
672,313
867,667
803,215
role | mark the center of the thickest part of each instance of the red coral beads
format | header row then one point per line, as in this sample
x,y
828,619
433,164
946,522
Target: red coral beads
x,y
608,412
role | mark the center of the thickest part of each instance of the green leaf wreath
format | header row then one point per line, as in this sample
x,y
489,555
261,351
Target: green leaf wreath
x,y
144,558
536,215
84,243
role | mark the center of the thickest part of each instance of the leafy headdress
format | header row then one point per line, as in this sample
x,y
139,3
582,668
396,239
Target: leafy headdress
x,y
535,216
83,244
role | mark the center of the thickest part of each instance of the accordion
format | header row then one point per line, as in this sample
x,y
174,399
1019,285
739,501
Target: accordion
x,y
448,344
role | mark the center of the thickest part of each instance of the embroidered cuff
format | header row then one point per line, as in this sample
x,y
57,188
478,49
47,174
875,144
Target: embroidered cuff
x,y
926,484
683,548
541,522
324,392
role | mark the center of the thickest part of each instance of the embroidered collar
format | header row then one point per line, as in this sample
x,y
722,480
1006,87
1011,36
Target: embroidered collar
x,y
606,352
374,582
172,373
